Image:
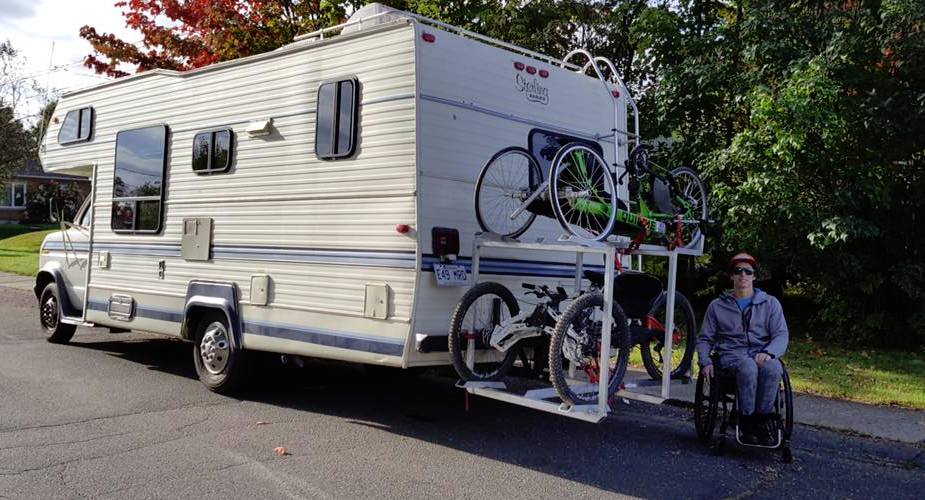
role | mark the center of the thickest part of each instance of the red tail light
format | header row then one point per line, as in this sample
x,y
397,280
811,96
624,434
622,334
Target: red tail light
x,y
531,70
428,37
543,73
519,66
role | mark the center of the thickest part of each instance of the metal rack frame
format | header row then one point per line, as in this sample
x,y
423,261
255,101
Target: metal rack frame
x,y
538,398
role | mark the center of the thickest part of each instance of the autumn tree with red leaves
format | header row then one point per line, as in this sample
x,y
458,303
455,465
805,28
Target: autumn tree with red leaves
x,y
186,34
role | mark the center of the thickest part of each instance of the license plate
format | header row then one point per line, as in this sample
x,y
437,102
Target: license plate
x,y
451,275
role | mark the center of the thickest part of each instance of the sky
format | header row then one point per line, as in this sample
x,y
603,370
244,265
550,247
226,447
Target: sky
x,y
32,26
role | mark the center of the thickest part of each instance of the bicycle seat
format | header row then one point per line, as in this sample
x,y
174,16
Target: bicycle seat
x,y
661,194
634,291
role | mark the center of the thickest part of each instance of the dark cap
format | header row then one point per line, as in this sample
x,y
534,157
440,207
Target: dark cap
x,y
740,258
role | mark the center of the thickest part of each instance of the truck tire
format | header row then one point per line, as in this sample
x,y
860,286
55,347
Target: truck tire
x,y
56,332
218,362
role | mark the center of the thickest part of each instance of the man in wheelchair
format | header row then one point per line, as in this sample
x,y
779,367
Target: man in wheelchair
x,y
746,329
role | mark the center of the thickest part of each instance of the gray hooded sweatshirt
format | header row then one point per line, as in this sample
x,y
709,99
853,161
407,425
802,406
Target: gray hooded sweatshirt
x,y
724,327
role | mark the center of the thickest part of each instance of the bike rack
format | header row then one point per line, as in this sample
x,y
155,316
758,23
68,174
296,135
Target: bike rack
x,y
546,399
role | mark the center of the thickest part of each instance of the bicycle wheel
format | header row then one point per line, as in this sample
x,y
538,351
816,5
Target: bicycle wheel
x,y
506,180
691,203
682,339
706,401
483,307
576,342
582,193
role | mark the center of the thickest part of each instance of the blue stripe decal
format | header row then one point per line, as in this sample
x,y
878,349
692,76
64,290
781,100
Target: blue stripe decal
x,y
384,259
147,312
514,267
330,338
58,245
320,336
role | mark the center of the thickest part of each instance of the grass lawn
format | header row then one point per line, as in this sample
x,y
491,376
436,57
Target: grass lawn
x,y
19,247
873,376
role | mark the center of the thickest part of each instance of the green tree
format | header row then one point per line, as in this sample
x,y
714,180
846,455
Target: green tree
x,y
17,145
808,121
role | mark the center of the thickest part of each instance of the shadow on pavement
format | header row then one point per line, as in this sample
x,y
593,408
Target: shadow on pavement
x,y
642,450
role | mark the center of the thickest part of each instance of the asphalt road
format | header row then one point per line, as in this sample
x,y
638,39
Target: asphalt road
x,y
122,416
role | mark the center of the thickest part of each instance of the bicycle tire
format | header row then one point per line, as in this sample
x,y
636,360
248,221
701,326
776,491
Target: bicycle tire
x,y
582,193
694,194
508,178
685,325
579,331
494,364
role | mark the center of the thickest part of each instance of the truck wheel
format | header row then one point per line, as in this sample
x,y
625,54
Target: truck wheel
x,y
49,306
218,363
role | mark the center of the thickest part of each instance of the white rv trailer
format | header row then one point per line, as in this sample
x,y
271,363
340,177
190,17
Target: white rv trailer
x,y
287,202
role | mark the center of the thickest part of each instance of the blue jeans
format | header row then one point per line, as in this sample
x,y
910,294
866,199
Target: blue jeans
x,y
756,385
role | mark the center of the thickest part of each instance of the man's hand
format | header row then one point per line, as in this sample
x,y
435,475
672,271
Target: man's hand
x,y
761,357
707,371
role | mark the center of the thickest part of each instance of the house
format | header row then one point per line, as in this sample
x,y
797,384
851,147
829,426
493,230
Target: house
x,y
25,196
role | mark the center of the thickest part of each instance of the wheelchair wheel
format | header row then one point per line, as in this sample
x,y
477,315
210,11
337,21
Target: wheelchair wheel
x,y
504,183
706,400
785,406
582,193
682,342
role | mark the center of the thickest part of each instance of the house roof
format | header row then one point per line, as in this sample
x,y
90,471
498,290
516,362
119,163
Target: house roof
x,y
33,170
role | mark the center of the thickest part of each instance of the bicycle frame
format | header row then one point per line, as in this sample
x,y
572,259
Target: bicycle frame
x,y
544,317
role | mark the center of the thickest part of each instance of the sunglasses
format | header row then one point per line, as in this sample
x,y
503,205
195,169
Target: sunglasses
x,y
743,270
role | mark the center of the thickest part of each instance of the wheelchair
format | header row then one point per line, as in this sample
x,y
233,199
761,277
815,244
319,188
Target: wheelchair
x,y
716,399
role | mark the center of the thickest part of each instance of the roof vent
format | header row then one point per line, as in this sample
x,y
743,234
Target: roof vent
x,y
371,15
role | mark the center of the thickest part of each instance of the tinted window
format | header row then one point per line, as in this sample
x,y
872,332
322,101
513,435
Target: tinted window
x,y
139,162
324,121
335,119
212,151
201,148
70,127
86,118
77,126
137,189
221,153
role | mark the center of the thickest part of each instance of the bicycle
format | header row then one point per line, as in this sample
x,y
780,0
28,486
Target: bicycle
x,y
582,192
488,316
487,330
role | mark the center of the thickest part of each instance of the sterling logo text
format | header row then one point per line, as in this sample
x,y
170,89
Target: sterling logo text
x,y
532,89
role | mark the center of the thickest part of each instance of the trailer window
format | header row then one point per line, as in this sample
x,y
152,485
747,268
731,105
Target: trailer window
x,y
212,151
336,119
77,126
138,188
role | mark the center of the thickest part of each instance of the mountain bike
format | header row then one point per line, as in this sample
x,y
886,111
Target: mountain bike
x,y
487,330
581,190
487,326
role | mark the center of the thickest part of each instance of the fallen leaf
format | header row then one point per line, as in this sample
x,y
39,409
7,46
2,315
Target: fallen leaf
x,y
261,422
280,450
817,352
